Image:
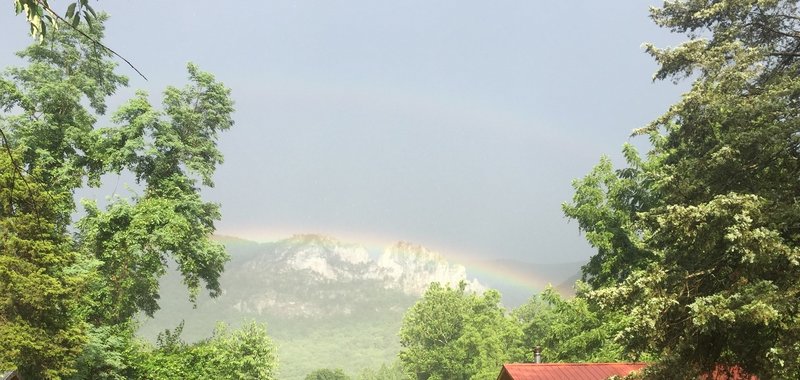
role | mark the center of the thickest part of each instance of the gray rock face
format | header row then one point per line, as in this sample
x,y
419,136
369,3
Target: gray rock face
x,y
313,275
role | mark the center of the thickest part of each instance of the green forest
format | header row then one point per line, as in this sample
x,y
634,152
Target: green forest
x,y
697,240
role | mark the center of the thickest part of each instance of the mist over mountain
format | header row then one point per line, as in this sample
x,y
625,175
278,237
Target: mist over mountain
x,y
327,303
316,276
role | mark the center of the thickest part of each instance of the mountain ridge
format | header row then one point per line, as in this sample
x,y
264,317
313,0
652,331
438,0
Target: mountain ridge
x,y
327,303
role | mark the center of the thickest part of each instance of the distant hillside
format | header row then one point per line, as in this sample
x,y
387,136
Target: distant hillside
x,y
326,303
334,304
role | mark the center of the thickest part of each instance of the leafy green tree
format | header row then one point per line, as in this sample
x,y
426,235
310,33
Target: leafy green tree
x,y
242,354
455,334
384,372
112,352
606,205
63,281
327,374
711,215
570,330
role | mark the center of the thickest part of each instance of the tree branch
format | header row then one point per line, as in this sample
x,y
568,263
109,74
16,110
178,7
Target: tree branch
x,y
90,38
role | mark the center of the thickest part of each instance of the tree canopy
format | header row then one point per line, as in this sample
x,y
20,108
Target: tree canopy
x,y
41,277
570,330
242,354
327,374
454,334
61,280
393,371
698,241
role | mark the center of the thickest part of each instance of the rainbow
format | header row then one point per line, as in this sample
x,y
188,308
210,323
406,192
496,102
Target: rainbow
x,y
399,97
481,114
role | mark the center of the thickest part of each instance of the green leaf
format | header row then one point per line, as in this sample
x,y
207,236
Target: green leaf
x,y
70,11
91,10
88,18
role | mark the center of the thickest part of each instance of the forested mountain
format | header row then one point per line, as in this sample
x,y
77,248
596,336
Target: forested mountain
x,y
327,303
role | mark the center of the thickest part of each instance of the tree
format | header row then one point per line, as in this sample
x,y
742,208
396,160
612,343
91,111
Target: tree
x,y
111,352
454,334
570,330
327,374
243,354
606,205
712,214
41,277
393,371
113,255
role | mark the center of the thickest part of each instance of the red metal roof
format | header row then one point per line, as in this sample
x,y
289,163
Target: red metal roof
x,y
564,371
598,371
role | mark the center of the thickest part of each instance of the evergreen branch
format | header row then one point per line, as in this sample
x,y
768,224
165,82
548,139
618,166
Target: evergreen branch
x,y
17,168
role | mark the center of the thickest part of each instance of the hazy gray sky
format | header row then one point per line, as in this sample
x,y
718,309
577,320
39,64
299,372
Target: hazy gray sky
x,y
458,125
